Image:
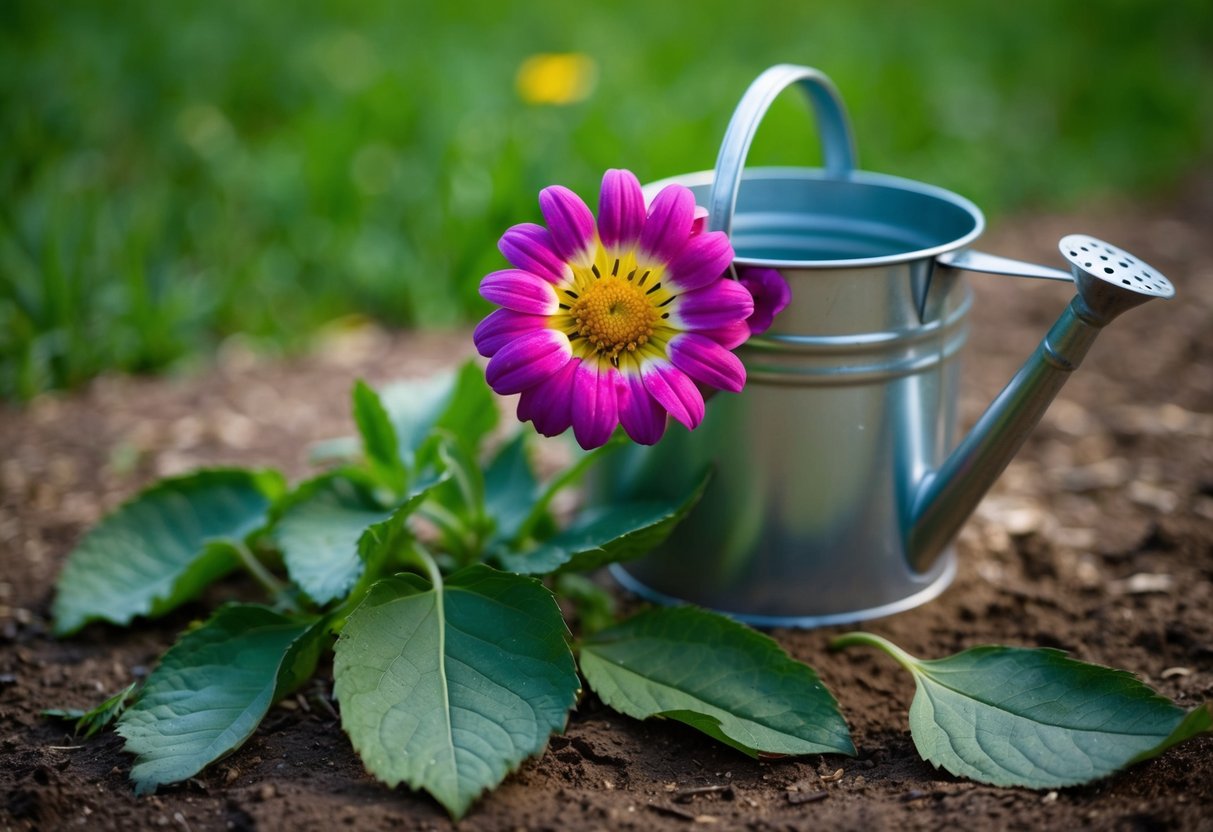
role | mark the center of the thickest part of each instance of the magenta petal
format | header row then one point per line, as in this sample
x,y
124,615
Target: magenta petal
x,y
503,326
531,248
639,413
700,223
674,391
528,360
703,259
668,224
520,291
548,405
620,210
570,223
706,361
729,337
771,294
718,304
526,402
595,411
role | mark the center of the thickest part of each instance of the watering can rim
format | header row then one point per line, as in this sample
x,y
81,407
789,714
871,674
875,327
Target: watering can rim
x,y
705,178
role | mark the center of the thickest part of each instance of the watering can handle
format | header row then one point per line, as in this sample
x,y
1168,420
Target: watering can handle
x,y
838,145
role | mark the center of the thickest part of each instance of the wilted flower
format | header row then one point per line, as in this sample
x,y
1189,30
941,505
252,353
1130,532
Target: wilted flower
x,y
613,323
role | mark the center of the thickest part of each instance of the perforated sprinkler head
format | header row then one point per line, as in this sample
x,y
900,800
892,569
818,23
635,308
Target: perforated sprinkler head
x,y
1110,281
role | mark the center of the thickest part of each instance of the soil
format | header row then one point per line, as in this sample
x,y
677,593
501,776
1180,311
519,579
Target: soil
x,y
1097,540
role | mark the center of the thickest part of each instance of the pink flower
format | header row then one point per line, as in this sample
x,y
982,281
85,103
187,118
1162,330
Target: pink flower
x,y
768,288
613,322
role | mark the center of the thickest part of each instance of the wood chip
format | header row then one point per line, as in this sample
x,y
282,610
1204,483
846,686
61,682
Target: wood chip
x,y
832,778
1107,473
686,795
671,812
1172,672
1144,583
1152,496
800,798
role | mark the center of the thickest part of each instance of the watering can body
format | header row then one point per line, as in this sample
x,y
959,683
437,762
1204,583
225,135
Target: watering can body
x,y
839,475
851,399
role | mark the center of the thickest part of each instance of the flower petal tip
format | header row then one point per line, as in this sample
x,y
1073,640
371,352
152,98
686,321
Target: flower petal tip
x,y
621,210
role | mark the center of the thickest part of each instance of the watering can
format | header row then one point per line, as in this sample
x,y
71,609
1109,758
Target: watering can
x,y
839,483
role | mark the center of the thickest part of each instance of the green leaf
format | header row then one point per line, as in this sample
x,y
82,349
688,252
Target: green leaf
x,y
94,719
510,488
718,676
319,533
449,687
379,442
1197,721
460,402
538,517
603,535
1010,716
163,547
327,531
212,689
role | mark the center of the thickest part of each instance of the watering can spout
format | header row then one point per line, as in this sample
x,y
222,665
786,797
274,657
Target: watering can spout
x,y
1109,282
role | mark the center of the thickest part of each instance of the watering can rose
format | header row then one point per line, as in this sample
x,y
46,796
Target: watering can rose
x,y
615,322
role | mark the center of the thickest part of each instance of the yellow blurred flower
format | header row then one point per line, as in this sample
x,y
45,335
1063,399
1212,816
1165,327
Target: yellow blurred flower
x,y
556,78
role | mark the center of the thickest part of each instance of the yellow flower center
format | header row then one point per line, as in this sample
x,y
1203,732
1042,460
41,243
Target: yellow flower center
x,y
615,316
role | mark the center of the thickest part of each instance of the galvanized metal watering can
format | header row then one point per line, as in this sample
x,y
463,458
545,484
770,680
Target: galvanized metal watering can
x,y
839,484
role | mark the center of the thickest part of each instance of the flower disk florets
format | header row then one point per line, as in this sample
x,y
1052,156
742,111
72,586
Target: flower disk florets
x,y
613,315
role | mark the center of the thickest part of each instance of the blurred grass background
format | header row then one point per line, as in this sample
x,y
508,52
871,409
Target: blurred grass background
x,y
176,173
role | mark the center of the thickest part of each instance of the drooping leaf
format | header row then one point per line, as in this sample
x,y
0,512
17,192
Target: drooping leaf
x,y
212,689
379,442
718,676
448,688
318,534
1011,716
94,719
163,547
459,402
510,487
603,535
539,522
327,529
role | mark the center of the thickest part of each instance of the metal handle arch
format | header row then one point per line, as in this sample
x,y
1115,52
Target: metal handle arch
x,y
838,144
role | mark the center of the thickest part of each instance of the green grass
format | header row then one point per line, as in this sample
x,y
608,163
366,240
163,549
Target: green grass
x,y
177,172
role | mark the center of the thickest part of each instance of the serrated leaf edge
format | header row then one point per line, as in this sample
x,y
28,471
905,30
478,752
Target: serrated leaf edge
x,y
604,637
459,807
268,481
145,786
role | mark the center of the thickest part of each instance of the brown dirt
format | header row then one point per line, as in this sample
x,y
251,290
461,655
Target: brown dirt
x,y
1098,540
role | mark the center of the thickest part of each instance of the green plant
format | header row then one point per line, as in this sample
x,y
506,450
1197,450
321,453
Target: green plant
x,y
439,570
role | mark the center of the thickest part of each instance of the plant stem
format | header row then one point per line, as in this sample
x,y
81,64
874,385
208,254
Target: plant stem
x,y
452,529
263,576
420,556
903,658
